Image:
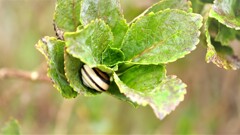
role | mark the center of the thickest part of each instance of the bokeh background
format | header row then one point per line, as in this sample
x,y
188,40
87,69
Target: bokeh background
x,y
211,105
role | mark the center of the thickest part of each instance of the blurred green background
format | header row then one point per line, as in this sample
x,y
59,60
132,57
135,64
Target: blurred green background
x,y
211,105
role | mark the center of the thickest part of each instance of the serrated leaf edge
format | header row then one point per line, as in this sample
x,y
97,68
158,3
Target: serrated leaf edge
x,y
147,101
44,41
150,14
86,26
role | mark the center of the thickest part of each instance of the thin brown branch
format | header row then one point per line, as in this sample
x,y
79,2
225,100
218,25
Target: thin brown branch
x,y
26,75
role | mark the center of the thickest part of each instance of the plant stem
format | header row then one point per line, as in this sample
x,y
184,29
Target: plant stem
x,y
26,75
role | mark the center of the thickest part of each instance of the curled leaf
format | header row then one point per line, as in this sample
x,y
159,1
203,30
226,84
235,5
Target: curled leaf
x,y
162,93
53,50
225,35
222,56
115,92
74,76
227,12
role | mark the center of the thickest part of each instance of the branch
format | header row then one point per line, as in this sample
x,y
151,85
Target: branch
x,y
15,73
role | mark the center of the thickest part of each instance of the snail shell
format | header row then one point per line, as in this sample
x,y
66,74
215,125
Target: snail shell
x,y
95,78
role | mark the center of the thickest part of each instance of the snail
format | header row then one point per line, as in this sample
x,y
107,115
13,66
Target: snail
x,y
95,78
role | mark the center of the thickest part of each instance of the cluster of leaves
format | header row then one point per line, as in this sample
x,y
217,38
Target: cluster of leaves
x,y
94,32
221,29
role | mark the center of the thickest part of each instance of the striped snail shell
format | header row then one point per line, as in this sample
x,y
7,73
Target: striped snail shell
x,y
95,79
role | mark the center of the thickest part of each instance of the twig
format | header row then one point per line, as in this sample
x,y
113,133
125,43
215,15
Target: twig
x,y
15,73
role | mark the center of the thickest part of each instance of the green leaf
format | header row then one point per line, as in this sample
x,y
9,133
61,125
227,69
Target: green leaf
x,y
67,15
220,55
220,32
89,43
225,50
143,78
112,56
53,50
197,6
225,34
74,77
172,4
166,4
123,66
11,128
207,1
115,92
109,11
227,12
147,85
238,35
162,37
107,69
